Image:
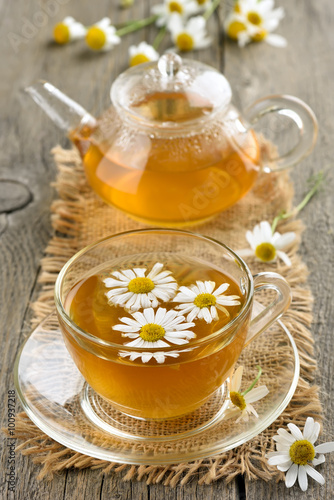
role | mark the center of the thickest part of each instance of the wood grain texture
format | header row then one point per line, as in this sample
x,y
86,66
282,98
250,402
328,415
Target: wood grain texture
x,y
305,69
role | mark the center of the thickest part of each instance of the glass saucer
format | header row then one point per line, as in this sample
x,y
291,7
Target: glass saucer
x,y
58,400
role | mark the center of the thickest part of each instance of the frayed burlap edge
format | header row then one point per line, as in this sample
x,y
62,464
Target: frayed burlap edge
x,y
248,459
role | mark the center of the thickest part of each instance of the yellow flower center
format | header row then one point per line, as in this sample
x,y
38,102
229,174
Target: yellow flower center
x,y
201,2
138,59
141,285
302,452
234,29
236,8
258,37
254,18
175,7
185,42
96,38
61,33
238,400
205,300
265,252
152,332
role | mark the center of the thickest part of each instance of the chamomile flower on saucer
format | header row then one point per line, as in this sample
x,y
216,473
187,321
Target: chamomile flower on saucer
x,y
153,329
252,20
296,453
102,35
189,36
132,289
68,30
267,246
184,8
201,301
242,400
142,53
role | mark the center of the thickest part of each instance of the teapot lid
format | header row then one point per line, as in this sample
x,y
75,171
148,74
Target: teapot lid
x,y
170,92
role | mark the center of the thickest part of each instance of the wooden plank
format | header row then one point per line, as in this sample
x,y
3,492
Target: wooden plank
x,y
304,69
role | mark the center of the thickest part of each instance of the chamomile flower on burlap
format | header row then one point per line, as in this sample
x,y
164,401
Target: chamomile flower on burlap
x,y
102,36
142,53
152,329
189,36
242,401
202,300
296,453
164,11
68,30
266,246
134,290
253,20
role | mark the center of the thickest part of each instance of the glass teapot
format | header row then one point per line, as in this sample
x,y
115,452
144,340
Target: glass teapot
x,y
172,150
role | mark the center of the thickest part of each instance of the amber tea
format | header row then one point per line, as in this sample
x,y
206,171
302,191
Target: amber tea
x,y
163,178
163,315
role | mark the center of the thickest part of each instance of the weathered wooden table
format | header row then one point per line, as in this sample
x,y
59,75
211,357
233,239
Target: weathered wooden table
x,y
304,69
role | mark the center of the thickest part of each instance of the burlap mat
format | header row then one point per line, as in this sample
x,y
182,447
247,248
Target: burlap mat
x,y
80,218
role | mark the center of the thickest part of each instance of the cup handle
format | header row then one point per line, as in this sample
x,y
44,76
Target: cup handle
x,y
273,311
300,113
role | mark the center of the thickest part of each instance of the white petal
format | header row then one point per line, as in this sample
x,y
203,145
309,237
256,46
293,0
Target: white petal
x,y
266,232
146,357
256,394
209,286
140,272
276,40
251,240
221,289
284,467
325,447
245,252
279,459
284,257
286,435
319,460
285,240
201,286
308,428
314,474
155,270
315,434
160,357
236,379
139,317
291,476
302,478
149,314
192,315
206,315
295,431
129,274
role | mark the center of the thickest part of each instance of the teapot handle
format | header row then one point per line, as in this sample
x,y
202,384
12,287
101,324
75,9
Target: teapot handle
x,y
300,113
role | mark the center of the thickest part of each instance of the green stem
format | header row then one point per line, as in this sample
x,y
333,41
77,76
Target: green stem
x,y
254,382
211,9
136,25
160,36
318,180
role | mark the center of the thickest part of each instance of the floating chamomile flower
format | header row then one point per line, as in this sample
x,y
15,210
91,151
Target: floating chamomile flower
x,y
296,453
153,329
265,245
68,30
201,301
132,289
184,8
159,356
142,53
253,20
189,36
242,400
102,35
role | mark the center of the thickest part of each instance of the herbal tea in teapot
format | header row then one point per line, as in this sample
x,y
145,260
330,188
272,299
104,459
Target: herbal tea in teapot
x,y
172,150
167,180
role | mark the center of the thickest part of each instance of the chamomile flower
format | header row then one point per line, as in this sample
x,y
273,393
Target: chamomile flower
x,y
68,30
142,53
267,246
201,301
159,356
184,8
252,20
102,35
153,329
132,289
189,36
296,453
242,400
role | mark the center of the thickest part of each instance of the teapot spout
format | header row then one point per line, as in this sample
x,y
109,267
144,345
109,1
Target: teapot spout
x,y
63,111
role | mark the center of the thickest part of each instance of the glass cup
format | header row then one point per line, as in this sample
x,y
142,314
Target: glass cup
x,y
166,382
